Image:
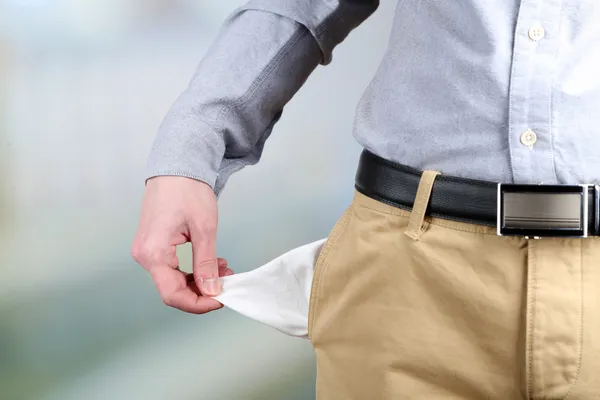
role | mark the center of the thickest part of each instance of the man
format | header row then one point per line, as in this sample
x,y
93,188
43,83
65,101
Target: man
x,y
430,286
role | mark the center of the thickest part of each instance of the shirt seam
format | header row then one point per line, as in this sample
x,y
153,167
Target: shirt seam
x,y
511,101
295,38
551,119
175,172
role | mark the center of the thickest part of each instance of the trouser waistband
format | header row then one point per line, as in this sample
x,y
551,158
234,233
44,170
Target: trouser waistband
x,y
460,199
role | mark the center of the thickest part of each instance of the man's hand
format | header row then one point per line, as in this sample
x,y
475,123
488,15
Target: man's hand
x,y
177,210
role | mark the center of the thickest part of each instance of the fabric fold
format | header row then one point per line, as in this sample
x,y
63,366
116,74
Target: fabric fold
x,y
278,293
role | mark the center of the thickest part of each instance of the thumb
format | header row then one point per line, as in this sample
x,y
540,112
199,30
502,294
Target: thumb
x,y
205,265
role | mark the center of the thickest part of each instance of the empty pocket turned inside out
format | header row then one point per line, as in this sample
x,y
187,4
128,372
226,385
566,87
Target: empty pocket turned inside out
x,y
278,293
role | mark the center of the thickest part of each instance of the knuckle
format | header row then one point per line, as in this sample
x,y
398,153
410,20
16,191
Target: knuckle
x,y
145,253
154,254
136,253
167,300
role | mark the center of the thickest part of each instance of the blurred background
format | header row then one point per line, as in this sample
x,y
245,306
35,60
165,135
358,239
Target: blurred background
x,y
83,88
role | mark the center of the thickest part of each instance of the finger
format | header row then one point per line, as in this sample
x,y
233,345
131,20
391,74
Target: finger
x,y
205,265
222,262
206,276
223,271
175,292
189,277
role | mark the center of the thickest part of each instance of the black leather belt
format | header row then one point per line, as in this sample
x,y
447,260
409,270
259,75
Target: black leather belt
x,y
522,210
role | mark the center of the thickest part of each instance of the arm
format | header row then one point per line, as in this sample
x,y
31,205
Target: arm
x,y
264,53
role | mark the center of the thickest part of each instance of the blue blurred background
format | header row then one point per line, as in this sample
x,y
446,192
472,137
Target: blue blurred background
x,y
83,87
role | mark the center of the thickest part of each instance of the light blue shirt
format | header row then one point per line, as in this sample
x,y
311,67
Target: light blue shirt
x,y
505,91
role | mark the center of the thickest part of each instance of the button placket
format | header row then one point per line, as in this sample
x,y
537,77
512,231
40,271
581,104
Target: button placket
x,y
533,69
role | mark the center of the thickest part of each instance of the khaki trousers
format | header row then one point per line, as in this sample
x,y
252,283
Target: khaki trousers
x,y
406,307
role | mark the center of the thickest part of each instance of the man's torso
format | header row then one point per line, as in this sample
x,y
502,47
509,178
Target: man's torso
x,y
500,91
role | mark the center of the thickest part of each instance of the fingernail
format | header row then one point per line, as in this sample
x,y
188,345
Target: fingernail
x,y
210,286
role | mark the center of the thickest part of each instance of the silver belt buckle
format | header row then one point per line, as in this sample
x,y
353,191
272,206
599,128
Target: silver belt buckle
x,y
536,211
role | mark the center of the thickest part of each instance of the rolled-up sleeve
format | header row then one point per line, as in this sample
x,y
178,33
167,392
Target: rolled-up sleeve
x,y
263,54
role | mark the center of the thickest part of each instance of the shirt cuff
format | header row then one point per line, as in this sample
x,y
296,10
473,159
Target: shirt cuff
x,y
186,146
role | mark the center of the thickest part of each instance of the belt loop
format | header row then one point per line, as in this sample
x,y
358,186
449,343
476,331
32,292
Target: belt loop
x,y
417,215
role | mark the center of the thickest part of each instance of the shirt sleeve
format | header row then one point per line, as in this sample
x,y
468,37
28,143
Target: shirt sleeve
x,y
263,54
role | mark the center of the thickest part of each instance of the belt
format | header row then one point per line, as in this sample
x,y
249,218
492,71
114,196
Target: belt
x,y
532,211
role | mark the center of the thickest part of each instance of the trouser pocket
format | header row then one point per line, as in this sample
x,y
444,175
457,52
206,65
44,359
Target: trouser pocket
x,y
320,268
276,294
279,293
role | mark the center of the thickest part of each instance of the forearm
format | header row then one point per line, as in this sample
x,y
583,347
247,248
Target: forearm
x,y
263,55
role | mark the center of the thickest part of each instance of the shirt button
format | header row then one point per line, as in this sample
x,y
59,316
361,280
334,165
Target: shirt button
x,y
536,33
528,138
